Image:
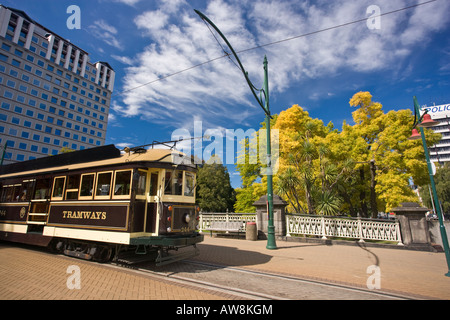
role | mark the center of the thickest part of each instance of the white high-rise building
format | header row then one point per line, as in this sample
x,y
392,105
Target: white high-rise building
x,y
51,95
441,151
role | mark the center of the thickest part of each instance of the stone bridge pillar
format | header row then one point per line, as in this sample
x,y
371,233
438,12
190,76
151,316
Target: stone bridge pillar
x,y
413,225
279,216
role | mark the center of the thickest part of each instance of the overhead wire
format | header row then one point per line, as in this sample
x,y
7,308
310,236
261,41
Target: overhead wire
x,y
227,54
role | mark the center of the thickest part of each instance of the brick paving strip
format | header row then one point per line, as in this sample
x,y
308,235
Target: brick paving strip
x,y
29,274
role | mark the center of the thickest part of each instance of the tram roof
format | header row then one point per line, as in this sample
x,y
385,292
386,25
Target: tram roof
x,y
91,158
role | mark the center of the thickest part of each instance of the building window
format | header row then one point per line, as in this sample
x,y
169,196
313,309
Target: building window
x,y
6,47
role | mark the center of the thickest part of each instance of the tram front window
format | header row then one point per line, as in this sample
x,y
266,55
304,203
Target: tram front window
x,y
142,182
174,183
189,184
153,184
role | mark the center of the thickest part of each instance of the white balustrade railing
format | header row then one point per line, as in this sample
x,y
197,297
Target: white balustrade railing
x,y
207,218
324,226
355,228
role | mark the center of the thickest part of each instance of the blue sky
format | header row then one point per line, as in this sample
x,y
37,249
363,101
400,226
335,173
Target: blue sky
x,y
144,40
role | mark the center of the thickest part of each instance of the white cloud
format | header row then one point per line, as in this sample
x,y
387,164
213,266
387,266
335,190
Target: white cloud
x,y
122,59
152,21
216,92
105,32
128,2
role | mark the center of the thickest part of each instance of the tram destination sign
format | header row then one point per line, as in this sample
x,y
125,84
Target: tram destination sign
x,y
93,216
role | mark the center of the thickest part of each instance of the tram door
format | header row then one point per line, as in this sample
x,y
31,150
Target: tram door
x,y
153,201
39,204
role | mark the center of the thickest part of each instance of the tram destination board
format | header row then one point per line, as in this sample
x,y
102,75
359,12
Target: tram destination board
x,y
92,215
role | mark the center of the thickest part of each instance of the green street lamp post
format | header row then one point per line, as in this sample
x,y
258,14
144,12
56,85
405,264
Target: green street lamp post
x,y
426,121
271,244
3,154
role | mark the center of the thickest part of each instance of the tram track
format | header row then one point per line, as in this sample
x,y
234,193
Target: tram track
x,y
238,293
258,285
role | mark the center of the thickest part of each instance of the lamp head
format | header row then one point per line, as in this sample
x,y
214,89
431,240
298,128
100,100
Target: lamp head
x,y
427,121
415,135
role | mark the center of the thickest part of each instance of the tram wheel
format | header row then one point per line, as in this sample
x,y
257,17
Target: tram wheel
x,y
103,254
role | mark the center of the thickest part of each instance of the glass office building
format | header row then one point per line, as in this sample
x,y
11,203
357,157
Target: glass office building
x,y
51,96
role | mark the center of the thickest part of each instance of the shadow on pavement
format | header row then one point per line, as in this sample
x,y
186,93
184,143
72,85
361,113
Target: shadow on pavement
x,y
212,257
363,246
230,256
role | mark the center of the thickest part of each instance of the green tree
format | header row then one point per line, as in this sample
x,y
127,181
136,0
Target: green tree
x,y
442,182
250,172
65,150
250,168
363,169
214,191
304,172
384,157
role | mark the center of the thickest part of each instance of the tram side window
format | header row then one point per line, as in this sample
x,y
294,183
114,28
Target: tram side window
x,y
174,183
58,187
122,185
26,190
42,190
72,185
16,192
10,193
4,194
103,184
87,185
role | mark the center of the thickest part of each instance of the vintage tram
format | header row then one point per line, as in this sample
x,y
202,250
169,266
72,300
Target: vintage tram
x,y
101,203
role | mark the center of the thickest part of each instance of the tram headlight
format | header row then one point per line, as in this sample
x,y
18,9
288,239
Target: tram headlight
x,y
169,229
187,218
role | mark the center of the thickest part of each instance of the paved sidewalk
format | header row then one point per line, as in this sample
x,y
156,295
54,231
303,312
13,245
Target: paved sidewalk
x,y
415,273
29,274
